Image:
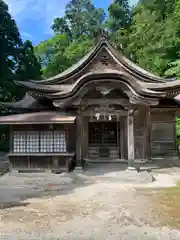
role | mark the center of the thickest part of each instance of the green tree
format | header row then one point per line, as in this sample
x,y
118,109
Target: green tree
x,y
81,18
74,36
118,24
152,35
77,49
10,43
51,55
60,26
119,15
29,67
173,43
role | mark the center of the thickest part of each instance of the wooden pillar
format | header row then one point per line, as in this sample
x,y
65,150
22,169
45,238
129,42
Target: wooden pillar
x,y
85,137
175,137
79,142
118,134
122,137
130,138
11,146
11,143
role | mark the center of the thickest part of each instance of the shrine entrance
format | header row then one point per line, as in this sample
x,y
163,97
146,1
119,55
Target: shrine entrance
x,y
103,133
104,141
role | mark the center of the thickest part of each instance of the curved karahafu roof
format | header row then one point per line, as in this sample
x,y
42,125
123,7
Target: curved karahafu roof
x,y
63,90
112,76
67,80
87,59
87,71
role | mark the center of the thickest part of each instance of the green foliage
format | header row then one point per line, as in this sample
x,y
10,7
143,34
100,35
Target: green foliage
x,y
10,43
51,55
77,49
154,40
29,67
173,69
119,15
81,18
17,59
74,36
178,129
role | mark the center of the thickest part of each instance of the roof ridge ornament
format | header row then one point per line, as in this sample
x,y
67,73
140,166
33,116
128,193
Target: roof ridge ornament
x,y
102,36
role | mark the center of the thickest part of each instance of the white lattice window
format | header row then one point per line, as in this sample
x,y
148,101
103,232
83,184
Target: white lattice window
x,y
19,142
60,141
32,141
46,141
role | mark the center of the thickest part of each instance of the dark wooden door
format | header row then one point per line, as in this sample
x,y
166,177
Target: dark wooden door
x,y
103,133
104,137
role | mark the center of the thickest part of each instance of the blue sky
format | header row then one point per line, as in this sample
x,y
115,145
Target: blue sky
x,y
34,17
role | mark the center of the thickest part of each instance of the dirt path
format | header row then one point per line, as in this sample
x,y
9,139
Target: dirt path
x,y
100,209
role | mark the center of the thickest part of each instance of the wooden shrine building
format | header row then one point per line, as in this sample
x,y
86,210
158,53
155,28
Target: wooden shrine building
x,y
104,108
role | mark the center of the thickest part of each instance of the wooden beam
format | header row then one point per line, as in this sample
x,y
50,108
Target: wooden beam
x,y
100,101
41,154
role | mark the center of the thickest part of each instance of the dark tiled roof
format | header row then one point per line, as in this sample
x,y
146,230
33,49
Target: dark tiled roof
x,y
27,102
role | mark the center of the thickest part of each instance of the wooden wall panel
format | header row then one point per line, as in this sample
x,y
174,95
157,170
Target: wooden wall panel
x,y
71,137
163,135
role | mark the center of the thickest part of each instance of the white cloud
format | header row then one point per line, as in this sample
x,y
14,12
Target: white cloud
x,y
27,35
34,18
16,6
37,10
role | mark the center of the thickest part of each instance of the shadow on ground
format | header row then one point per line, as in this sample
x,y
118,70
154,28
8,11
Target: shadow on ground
x,y
15,188
13,204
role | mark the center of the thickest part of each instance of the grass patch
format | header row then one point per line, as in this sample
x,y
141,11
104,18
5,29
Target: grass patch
x,y
166,205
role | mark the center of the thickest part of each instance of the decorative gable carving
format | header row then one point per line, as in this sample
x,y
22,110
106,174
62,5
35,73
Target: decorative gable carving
x,y
103,61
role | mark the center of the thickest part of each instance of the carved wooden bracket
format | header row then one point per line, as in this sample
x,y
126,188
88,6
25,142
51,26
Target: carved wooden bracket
x,y
134,99
132,111
36,94
59,104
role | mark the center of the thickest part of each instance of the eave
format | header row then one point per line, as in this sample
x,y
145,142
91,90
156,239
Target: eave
x,y
163,86
40,87
37,118
27,102
113,76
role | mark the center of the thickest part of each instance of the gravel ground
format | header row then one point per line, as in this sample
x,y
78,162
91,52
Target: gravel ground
x,y
79,206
